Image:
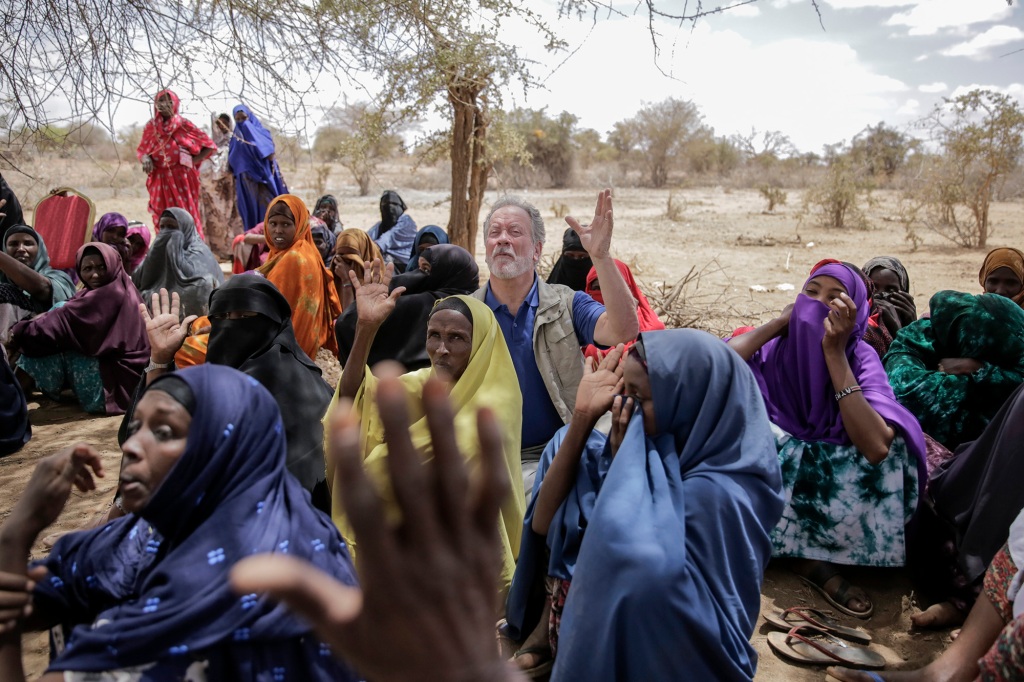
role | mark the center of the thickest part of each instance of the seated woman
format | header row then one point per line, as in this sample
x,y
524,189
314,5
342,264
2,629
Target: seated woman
x,y
323,238
449,270
956,368
353,248
296,268
852,457
467,351
248,250
395,232
15,429
645,314
138,237
892,291
1002,272
146,597
645,583
28,285
112,228
573,264
180,262
990,647
968,507
251,331
95,343
326,209
428,237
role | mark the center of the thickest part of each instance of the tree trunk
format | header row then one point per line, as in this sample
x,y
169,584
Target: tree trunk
x,y
469,170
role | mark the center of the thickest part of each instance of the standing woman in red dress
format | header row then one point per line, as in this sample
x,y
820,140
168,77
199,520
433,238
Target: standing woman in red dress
x,y
171,152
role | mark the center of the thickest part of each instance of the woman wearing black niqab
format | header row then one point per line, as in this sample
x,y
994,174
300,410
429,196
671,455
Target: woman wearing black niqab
x,y
572,266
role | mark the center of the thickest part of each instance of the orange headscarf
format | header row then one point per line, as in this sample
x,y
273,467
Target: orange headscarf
x,y
299,273
1005,257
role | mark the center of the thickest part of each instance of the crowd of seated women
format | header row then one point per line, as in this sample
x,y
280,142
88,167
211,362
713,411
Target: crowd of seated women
x,y
846,431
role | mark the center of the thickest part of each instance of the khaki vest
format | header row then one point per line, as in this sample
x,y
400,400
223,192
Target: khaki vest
x,y
555,346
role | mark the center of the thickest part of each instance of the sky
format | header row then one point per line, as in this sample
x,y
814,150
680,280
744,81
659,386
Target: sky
x,y
772,65
767,65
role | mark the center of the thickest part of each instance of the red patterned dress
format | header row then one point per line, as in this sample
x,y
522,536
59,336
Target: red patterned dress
x,y
174,182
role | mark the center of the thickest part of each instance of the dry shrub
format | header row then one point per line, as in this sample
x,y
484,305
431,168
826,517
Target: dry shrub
x,y
674,209
773,196
694,302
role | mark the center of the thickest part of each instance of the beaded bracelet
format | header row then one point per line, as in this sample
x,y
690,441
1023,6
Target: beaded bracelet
x,y
847,391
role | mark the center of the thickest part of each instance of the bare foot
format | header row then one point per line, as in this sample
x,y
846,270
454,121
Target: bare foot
x,y
938,616
850,596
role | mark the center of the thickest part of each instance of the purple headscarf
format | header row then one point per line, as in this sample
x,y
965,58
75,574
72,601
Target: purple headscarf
x,y
795,380
108,221
103,323
146,235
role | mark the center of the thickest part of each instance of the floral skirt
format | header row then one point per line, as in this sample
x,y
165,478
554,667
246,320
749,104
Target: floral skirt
x,y
54,373
841,508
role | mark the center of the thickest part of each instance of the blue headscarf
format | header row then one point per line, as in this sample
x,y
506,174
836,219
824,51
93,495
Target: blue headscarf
x,y
250,146
666,544
153,587
440,235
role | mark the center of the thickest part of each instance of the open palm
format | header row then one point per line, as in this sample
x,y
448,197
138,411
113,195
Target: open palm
x,y
165,330
597,236
374,299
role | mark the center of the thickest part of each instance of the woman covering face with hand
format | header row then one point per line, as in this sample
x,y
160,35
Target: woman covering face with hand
x,y
634,560
852,457
468,353
147,595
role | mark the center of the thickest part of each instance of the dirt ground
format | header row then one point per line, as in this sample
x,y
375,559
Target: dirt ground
x,y
722,234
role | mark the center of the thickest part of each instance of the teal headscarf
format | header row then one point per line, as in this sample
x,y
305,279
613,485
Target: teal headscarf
x,y
60,281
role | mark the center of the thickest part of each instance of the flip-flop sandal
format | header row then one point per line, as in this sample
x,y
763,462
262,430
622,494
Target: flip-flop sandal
x,y
874,677
802,615
824,572
824,650
542,668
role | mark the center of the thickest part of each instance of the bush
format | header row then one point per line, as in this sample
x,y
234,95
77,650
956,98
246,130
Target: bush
x,y
773,196
836,201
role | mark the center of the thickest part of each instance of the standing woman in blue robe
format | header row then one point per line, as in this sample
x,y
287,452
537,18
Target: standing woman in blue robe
x,y
251,159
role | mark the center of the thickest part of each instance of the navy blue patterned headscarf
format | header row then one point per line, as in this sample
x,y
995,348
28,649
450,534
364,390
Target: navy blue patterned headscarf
x,y
153,587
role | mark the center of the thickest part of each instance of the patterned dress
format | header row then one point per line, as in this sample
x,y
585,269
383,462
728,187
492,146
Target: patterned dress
x,y
1004,661
840,507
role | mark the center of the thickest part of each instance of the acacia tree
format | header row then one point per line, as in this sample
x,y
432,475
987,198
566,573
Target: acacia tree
x,y
881,149
981,134
358,136
659,136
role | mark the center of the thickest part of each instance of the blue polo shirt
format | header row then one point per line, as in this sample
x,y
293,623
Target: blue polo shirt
x,y
540,418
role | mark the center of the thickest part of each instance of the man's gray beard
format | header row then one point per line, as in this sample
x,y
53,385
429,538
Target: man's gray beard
x,y
510,270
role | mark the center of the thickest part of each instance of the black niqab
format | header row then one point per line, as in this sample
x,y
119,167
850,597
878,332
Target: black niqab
x,y
391,209
571,272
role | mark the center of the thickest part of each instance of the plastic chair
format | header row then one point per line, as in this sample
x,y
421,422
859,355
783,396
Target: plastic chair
x,y
64,220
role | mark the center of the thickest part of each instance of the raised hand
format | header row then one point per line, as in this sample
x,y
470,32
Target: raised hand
x,y
166,332
374,300
48,489
428,594
600,384
596,237
839,323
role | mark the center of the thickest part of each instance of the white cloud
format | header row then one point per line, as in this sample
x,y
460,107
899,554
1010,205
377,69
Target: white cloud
x,y
858,4
910,108
1013,90
982,46
933,88
785,3
745,11
928,17
812,89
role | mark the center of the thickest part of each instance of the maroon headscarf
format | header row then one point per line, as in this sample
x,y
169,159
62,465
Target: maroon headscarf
x,y
795,380
103,323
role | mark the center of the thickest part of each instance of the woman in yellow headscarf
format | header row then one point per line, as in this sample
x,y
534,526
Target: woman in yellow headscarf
x,y
467,351
1003,273
297,269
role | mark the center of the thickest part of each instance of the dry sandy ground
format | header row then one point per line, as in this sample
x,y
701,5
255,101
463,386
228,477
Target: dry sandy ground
x,y
711,236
